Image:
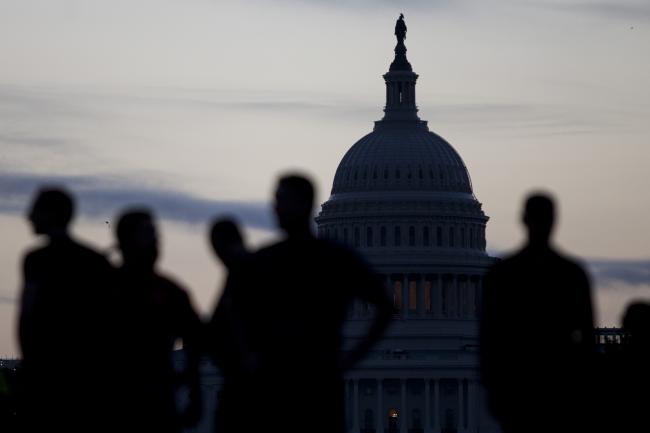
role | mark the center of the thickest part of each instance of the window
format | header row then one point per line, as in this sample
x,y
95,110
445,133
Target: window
x,y
471,237
425,236
428,305
411,236
397,295
382,236
451,236
345,235
398,236
357,237
439,236
413,295
369,236
462,237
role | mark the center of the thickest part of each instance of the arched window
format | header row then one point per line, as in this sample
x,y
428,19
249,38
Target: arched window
x,y
382,236
398,236
425,236
369,236
411,236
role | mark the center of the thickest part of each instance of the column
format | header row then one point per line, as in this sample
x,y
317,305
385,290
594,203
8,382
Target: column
x,y
427,406
355,406
436,406
380,407
457,301
403,416
405,296
420,295
479,294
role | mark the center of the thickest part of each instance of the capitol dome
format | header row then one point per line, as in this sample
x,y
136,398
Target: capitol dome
x,y
406,158
402,193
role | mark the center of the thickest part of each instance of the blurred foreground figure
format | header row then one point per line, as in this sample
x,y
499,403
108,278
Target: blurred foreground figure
x,y
632,372
153,313
293,303
537,342
225,331
63,327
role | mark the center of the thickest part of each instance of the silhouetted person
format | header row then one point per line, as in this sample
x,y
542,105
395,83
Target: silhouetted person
x,y
537,338
154,313
295,297
632,372
225,337
63,329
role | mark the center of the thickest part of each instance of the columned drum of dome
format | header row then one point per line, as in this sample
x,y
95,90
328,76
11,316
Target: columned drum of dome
x,y
403,198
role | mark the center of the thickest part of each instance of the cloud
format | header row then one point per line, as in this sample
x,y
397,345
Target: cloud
x,y
621,9
610,273
103,197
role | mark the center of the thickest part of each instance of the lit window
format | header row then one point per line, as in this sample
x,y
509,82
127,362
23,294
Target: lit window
x,y
413,295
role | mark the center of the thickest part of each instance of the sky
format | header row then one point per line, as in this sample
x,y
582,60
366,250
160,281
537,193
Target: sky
x,y
194,107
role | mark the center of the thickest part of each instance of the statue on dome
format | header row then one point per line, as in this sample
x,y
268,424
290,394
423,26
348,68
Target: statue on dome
x,y
400,29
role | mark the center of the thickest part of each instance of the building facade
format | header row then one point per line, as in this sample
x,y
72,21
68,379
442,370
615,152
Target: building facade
x,y
403,198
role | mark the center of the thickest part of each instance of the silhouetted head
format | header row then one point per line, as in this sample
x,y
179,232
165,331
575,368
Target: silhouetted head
x,y
401,16
227,241
539,217
294,200
137,239
636,323
51,212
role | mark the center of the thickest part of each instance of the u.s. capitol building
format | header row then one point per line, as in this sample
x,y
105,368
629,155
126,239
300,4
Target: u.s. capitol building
x,y
402,196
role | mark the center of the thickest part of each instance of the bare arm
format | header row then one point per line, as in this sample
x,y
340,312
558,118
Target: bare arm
x,y
374,292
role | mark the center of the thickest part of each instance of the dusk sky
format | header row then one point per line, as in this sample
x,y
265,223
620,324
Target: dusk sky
x,y
194,107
